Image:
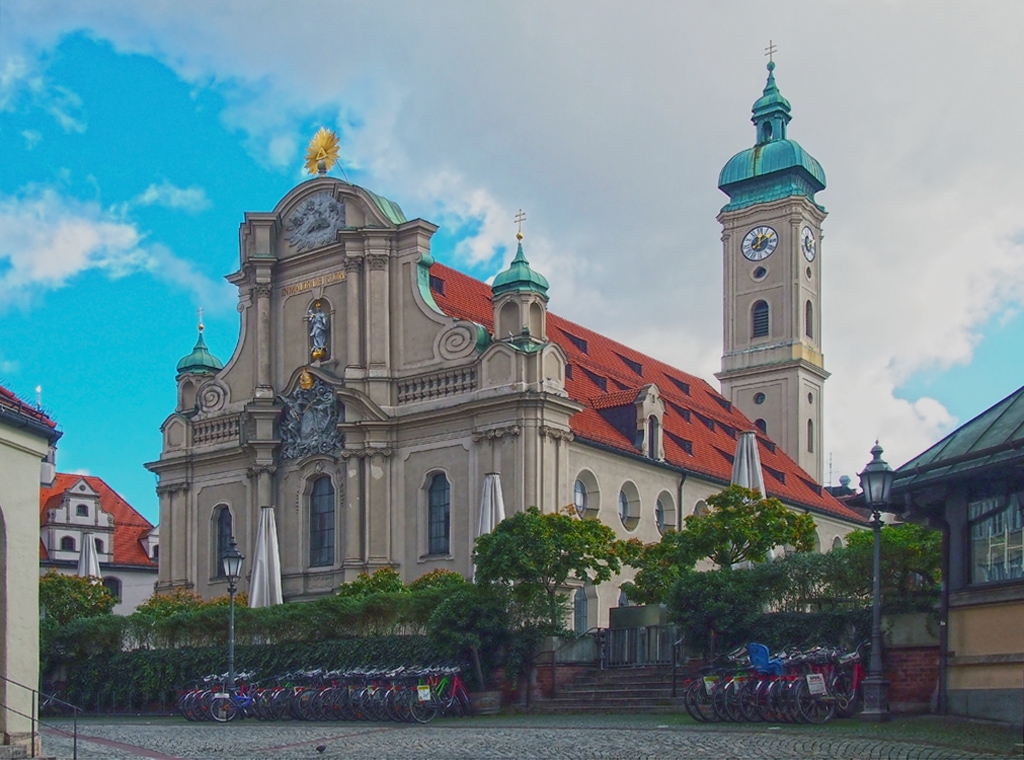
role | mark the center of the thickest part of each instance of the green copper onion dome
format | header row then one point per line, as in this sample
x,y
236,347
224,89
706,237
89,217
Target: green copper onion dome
x,y
776,167
200,361
519,277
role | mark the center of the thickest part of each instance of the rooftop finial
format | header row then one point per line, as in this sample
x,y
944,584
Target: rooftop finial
x,y
770,51
520,217
200,319
322,152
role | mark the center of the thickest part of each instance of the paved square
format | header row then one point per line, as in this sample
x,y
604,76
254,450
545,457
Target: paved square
x,y
583,737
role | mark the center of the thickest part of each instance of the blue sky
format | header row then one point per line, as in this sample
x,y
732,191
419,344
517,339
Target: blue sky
x,y
135,136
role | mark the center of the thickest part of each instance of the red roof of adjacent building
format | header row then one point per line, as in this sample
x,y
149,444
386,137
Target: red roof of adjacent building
x,y
700,425
130,528
12,403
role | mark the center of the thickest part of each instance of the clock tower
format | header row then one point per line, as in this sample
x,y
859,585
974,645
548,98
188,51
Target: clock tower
x,y
773,369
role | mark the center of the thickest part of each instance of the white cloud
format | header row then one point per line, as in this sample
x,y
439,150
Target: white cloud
x,y
165,194
18,78
46,239
32,138
609,125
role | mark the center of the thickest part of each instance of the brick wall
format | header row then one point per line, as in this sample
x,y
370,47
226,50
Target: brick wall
x,y
913,675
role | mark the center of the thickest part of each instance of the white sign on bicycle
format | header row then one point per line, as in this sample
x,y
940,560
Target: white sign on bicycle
x,y
816,683
423,692
709,683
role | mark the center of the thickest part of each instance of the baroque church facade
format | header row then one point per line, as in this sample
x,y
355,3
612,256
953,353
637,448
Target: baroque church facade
x,y
372,389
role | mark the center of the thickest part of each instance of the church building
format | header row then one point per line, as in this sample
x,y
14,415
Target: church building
x,y
373,388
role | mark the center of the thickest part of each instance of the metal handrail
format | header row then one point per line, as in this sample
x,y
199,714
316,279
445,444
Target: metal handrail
x,y
675,663
34,717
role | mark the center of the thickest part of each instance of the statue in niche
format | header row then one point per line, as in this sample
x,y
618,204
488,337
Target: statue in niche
x,y
309,420
319,331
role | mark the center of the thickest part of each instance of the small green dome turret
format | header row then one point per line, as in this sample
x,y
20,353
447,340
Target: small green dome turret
x,y
776,167
520,277
200,361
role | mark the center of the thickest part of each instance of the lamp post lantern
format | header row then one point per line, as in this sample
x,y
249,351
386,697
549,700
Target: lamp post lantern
x,y
232,560
876,483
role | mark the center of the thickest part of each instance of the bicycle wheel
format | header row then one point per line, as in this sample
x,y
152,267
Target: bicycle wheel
x,y
423,711
813,708
222,709
847,698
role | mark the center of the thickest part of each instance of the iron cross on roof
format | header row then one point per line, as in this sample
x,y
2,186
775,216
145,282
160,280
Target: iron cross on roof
x,y
770,50
520,217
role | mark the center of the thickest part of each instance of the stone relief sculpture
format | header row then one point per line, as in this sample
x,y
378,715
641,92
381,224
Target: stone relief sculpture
x,y
319,331
309,420
316,221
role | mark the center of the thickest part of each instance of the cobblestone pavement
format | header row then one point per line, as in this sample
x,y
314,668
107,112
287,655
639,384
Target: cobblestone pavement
x,y
514,737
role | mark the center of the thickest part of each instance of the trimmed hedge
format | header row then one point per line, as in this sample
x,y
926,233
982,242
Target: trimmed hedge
x,y
146,676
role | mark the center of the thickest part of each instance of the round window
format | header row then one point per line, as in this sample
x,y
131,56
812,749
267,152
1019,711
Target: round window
x,y
810,398
659,516
759,273
579,498
808,271
623,507
759,398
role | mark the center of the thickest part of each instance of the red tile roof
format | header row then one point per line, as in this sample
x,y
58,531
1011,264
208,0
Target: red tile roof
x,y
701,425
11,402
130,528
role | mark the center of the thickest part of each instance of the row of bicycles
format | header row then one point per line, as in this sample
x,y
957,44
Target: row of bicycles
x,y
748,685
409,694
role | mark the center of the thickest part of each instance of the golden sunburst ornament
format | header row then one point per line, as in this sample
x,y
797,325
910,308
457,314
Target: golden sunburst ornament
x,y
322,152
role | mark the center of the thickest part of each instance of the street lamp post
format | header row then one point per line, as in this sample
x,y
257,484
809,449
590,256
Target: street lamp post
x,y
232,560
876,482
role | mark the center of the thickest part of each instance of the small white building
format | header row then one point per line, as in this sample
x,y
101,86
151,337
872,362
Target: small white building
x,y
79,508
27,437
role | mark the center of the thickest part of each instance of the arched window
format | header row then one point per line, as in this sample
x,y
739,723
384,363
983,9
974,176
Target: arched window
x,y
579,609
810,436
809,319
114,586
659,515
579,498
837,542
761,425
759,320
82,510
321,523
99,546
439,517
623,599
67,544
223,539
623,507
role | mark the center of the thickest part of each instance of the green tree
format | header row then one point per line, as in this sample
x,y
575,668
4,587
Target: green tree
x,y
740,526
64,598
166,604
535,553
911,566
718,609
384,580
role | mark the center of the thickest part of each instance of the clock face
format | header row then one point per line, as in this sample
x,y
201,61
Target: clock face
x,y
808,244
759,243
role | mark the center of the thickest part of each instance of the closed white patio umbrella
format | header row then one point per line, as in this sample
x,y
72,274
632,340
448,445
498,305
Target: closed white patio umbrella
x,y
492,505
88,559
746,465
265,582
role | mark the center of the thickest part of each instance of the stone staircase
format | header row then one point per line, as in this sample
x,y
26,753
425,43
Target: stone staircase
x,y
642,689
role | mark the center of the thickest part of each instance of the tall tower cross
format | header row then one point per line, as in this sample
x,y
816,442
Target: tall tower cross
x,y
520,218
200,319
770,50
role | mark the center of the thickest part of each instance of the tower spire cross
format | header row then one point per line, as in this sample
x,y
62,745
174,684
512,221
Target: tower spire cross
x,y
519,219
771,50
200,319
